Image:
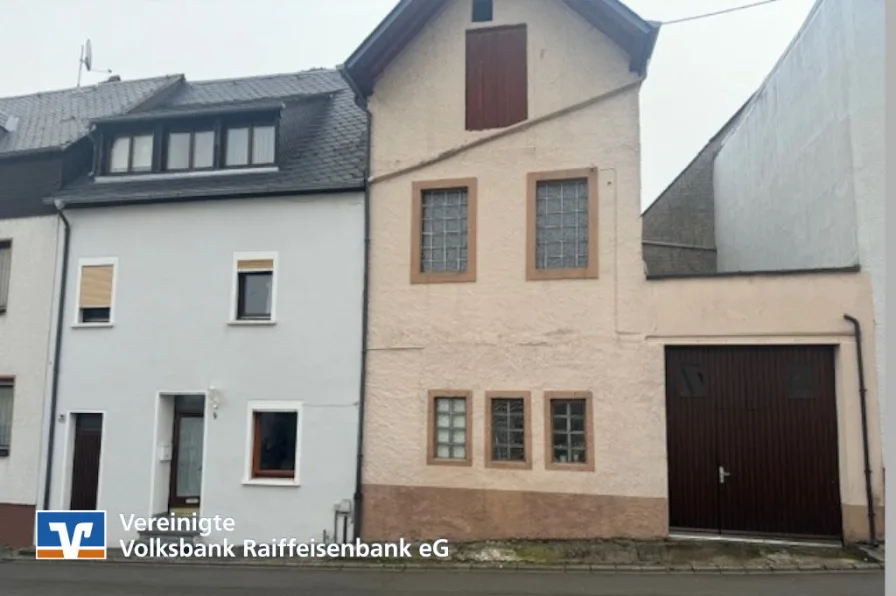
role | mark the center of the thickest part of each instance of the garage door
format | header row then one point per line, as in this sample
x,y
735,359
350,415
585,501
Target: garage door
x,y
752,440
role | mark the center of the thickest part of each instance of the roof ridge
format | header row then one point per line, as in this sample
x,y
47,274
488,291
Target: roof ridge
x,y
264,76
102,85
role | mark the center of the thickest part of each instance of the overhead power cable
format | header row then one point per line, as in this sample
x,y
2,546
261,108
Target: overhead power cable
x,y
719,12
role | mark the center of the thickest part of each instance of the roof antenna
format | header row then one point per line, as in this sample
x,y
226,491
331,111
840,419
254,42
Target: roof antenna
x,y
86,61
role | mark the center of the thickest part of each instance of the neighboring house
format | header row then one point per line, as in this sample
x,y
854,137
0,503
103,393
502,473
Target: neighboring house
x,y
523,378
793,184
212,320
42,146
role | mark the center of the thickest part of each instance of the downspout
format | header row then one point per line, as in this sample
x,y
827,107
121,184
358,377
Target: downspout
x,y
361,100
869,495
60,315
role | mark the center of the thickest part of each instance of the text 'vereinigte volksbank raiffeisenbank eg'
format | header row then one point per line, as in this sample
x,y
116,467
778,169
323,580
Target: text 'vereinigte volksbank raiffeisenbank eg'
x,y
278,547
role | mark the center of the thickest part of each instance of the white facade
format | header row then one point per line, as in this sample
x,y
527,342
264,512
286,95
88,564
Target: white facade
x,y
172,333
26,350
799,181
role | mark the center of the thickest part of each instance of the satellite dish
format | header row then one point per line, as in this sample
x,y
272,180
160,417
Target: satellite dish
x,y
88,55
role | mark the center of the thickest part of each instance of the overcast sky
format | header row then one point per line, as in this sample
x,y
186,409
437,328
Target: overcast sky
x,y
701,72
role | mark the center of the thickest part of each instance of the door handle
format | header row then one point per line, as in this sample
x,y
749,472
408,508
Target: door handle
x,y
723,474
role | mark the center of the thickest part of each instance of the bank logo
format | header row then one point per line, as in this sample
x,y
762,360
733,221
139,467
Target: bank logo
x,y
71,535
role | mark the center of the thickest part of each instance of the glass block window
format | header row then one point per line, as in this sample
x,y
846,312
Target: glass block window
x,y
444,231
568,437
450,428
561,224
508,423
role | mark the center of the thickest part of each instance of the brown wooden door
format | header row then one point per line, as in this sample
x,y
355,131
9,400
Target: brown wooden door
x,y
86,461
763,431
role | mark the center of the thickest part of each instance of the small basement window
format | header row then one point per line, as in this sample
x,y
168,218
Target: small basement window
x,y
483,11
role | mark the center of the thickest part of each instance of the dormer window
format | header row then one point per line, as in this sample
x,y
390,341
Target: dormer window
x,y
249,146
208,144
131,154
192,150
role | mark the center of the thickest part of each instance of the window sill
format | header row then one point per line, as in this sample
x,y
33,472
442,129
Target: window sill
x,y
508,465
560,274
285,482
567,467
92,325
250,323
457,463
131,176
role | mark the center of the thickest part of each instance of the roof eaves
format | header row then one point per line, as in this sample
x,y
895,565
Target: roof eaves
x,y
634,34
76,202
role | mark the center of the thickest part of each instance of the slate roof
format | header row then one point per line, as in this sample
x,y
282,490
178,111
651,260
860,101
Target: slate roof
x,y
56,119
322,143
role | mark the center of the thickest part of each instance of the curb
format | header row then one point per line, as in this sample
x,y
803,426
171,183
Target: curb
x,y
575,568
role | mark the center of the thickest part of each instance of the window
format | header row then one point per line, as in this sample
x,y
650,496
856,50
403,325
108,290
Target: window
x,y
250,146
275,442
449,428
5,271
254,291
801,381
497,77
562,227
569,431
6,391
443,247
483,11
193,150
131,154
692,381
96,291
507,430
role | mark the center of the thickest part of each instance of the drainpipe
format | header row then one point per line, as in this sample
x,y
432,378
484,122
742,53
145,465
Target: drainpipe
x,y
869,495
60,315
361,100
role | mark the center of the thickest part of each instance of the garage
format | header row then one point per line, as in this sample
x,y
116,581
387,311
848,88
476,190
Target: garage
x,y
752,441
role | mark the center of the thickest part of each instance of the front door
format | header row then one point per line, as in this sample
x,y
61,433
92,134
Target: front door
x,y
752,440
86,461
186,462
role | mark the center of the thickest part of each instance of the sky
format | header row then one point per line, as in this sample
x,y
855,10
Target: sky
x,y
702,71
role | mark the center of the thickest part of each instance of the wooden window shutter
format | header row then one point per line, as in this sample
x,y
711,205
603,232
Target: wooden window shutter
x,y
497,77
96,286
255,265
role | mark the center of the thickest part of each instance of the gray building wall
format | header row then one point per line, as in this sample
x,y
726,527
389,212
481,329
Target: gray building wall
x,y
799,180
172,296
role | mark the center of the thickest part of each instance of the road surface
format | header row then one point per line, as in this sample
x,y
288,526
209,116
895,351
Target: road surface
x,y
51,578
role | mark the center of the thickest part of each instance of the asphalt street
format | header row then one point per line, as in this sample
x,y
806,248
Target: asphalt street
x,y
49,578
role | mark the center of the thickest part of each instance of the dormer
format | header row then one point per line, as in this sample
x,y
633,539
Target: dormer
x,y
188,142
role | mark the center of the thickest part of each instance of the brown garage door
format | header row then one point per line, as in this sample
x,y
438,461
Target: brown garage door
x,y
752,440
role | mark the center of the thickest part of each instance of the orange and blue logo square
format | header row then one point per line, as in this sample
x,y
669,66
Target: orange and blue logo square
x,y
70,534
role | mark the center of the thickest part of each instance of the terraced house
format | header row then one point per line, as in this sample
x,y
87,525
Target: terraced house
x,y
43,145
525,378
211,319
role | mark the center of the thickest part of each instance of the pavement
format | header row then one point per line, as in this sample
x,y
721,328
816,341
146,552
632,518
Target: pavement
x,y
49,578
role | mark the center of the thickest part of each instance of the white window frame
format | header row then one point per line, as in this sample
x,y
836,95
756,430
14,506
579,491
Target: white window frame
x,y
272,406
93,262
235,286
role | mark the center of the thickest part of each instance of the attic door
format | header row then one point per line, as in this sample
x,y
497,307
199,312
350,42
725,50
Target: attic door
x,y
497,77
